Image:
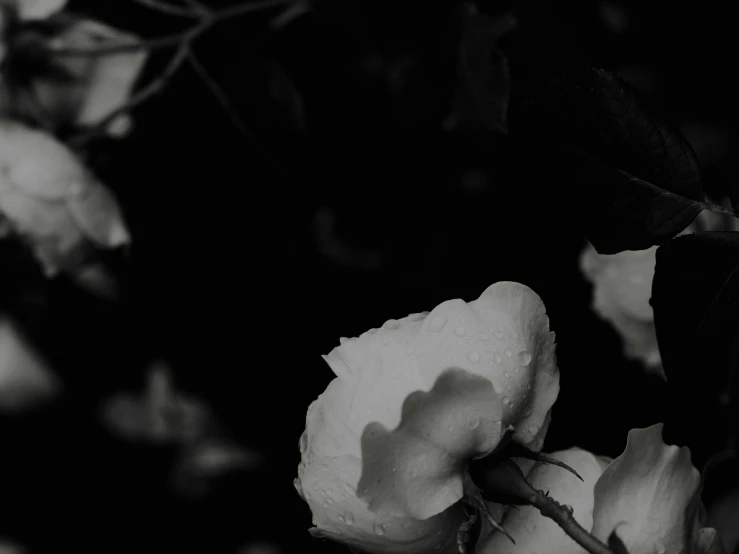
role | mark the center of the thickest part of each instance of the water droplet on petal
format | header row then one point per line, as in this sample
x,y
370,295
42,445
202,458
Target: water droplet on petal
x,y
524,358
349,519
392,324
379,529
413,472
497,358
473,357
533,429
459,331
508,353
437,324
499,334
506,400
341,518
474,422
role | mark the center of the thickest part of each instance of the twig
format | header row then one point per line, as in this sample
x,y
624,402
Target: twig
x,y
220,95
207,21
154,87
169,9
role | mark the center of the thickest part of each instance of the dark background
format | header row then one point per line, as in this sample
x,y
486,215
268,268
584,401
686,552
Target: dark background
x,y
345,204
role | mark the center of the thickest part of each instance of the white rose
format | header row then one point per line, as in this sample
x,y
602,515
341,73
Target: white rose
x,y
649,495
385,446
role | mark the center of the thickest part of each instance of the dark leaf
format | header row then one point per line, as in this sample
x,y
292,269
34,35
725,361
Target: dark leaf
x,y
636,179
695,296
484,83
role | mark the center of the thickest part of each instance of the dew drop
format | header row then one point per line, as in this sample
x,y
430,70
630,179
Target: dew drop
x,y
524,358
506,400
392,324
349,519
325,504
533,429
473,357
459,331
473,423
394,469
507,374
413,473
508,353
499,334
379,529
341,518
497,358
437,324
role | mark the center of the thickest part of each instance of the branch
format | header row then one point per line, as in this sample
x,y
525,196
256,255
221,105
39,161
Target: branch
x,y
169,9
562,515
219,95
154,87
207,20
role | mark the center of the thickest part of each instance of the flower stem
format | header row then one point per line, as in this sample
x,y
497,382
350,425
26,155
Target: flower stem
x,y
562,515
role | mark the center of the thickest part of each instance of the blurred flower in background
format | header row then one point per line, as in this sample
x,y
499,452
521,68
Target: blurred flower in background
x,y
163,416
57,207
43,85
8,547
26,380
622,287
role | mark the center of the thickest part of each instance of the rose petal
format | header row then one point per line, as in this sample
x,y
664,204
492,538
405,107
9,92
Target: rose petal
x,y
417,469
647,488
37,164
326,479
536,534
26,380
111,78
98,215
101,84
622,287
28,10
